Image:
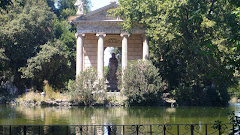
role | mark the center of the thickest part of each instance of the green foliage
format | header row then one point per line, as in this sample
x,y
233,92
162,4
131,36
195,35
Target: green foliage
x,y
184,95
37,43
194,95
235,120
24,26
62,31
51,63
142,84
106,71
3,62
87,88
50,93
189,40
5,3
235,89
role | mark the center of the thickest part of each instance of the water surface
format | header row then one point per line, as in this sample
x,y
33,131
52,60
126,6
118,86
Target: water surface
x,y
16,115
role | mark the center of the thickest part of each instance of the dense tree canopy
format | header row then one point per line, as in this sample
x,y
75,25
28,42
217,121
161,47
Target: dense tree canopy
x,y
189,41
5,3
37,42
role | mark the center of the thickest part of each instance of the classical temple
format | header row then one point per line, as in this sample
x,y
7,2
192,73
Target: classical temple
x,y
97,31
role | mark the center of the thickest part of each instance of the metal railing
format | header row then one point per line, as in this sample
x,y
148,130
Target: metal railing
x,y
154,129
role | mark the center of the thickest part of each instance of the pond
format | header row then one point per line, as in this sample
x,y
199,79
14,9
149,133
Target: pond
x,y
17,115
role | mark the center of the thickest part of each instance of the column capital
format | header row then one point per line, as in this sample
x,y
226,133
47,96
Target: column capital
x,y
79,35
125,34
101,34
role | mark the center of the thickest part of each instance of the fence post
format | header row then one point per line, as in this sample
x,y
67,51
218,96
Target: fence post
x,y
81,130
219,129
24,130
137,129
52,129
192,129
177,129
109,130
233,129
151,129
39,131
123,129
67,130
164,129
206,128
10,133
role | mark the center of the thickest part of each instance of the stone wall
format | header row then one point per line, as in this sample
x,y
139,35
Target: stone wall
x,y
135,47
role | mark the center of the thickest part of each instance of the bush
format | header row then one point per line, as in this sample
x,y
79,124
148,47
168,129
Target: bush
x,y
193,95
50,93
184,95
235,90
87,88
53,94
142,83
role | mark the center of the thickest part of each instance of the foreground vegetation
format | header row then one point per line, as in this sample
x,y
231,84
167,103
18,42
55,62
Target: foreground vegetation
x,y
194,48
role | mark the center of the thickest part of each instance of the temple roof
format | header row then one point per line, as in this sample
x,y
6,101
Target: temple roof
x,y
99,20
99,15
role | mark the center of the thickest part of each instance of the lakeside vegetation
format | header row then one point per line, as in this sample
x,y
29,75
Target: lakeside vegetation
x,y
194,51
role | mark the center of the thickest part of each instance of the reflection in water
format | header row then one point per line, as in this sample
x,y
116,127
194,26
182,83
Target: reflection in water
x,y
113,116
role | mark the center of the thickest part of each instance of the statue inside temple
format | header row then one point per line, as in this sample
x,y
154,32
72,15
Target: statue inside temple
x,y
113,64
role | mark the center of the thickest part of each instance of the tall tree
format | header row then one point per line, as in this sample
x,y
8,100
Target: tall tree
x,y
55,61
24,26
188,41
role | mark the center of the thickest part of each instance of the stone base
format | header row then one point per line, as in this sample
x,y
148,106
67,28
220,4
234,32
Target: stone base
x,y
112,86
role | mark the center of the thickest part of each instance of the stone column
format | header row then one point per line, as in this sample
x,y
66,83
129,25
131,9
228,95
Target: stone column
x,y
124,49
79,51
145,48
100,62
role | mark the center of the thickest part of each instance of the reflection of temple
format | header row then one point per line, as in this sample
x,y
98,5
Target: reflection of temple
x,y
96,31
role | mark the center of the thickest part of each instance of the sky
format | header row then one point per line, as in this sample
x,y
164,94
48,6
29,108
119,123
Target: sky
x,y
96,4
99,3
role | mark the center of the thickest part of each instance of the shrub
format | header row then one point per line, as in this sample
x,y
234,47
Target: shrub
x,y
193,95
48,90
87,88
142,83
235,90
53,94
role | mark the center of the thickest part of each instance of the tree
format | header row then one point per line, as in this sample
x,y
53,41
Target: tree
x,y
50,63
5,3
3,62
55,61
24,26
188,40
37,43
235,37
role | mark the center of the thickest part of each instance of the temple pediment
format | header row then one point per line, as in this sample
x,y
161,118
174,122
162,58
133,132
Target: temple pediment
x,y
100,21
100,14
